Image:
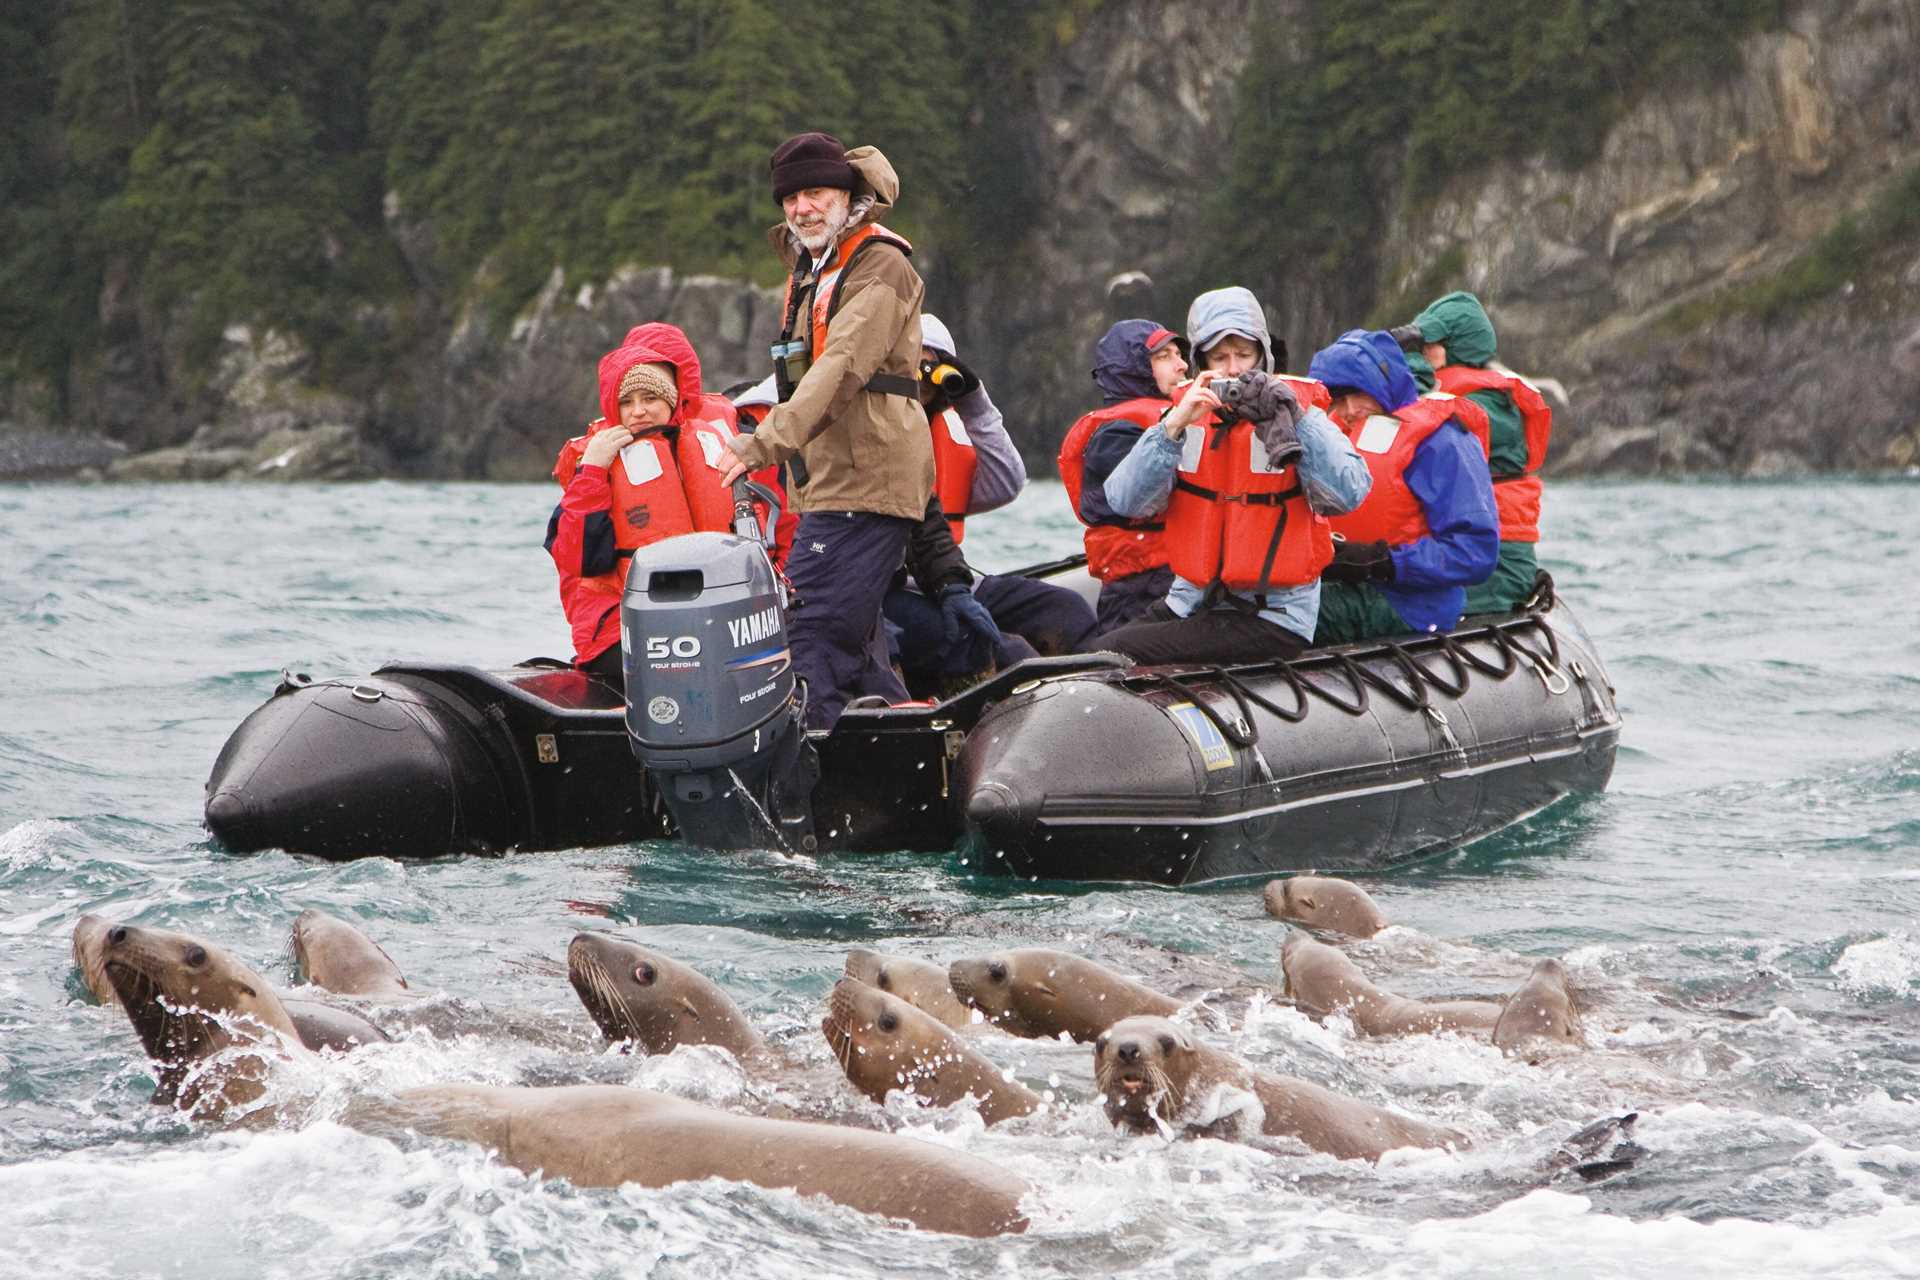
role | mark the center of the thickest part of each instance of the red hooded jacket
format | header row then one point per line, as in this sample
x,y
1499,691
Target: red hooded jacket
x,y
586,536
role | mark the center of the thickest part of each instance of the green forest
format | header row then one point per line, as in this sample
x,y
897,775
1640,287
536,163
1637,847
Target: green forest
x,y
223,160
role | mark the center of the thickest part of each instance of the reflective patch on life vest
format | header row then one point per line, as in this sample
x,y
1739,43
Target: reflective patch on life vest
x,y
956,429
1377,435
1192,445
641,462
1215,752
710,447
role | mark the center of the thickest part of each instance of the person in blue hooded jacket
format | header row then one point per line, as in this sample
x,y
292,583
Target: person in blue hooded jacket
x,y
1428,529
1228,331
1136,365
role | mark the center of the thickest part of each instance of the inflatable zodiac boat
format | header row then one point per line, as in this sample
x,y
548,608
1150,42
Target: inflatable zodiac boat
x,y
1071,768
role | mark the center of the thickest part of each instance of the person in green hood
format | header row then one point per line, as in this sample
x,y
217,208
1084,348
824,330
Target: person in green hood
x,y
1451,347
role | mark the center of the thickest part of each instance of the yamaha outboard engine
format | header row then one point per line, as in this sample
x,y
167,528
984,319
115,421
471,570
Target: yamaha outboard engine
x,y
712,710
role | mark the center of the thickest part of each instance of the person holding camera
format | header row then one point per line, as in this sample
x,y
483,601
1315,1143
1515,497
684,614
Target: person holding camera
x,y
848,423
956,625
1246,476
1428,529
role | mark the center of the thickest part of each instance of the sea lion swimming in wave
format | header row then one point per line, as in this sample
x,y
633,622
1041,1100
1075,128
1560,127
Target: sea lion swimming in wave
x,y
642,996
1324,902
1151,1072
920,983
321,1026
336,955
1042,994
607,1135
1323,981
885,1044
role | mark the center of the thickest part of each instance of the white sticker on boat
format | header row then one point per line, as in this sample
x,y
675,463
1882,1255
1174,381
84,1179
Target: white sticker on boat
x,y
641,462
1215,751
1378,434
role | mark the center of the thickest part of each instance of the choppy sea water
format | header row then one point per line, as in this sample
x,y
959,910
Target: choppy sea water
x,y
1741,911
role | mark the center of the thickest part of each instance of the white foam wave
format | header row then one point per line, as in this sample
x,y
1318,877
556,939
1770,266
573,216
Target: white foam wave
x,y
1889,965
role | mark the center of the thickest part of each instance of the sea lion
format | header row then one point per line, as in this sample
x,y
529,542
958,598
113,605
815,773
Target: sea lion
x,y
1041,994
191,1002
320,1026
1148,1069
606,1135
920,983
883,1043
1541,1008
1323,980
1323,902
334,954
637,994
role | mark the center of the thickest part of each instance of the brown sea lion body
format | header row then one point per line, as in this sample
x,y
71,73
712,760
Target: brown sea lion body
x,y
885,1044
192,1002
607,1135
1149,1069
920,983
1043,994
1323,981
336,955
1324,902
645,997
321,1026
1541,1009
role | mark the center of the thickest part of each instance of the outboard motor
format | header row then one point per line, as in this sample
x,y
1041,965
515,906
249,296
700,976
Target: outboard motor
x,y
712,708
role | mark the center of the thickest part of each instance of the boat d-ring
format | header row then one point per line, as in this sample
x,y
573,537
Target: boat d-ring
x,y
1548,673
367,693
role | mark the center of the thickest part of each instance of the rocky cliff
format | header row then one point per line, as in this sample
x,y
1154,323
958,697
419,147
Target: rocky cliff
x,y
1733,285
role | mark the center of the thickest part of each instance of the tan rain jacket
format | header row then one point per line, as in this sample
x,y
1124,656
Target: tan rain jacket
x,y
861,450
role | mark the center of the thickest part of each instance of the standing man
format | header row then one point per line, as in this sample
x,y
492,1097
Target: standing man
x,y
848,422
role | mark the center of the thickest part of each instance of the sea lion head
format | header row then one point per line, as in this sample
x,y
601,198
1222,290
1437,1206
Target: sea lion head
x,y
335,955
90,956
649,999
920,983
986,983
190,1000
1324,902
881,1041
1143,1068
1542,1009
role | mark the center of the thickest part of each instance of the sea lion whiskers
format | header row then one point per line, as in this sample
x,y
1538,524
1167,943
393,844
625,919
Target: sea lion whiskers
x,y
615,1019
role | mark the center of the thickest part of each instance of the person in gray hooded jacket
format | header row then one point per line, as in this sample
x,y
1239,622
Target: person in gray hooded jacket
x,y
1228,330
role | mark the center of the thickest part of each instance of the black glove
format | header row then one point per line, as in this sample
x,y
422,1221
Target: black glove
x,y
964,619
1359,562
1268,403
1408,336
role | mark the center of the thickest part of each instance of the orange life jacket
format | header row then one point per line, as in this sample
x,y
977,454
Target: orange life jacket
x,y
1386,442
954,462
1517,497
826,301
1232,521
1113,550
662,487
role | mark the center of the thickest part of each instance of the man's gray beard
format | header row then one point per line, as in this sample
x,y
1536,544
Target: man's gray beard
x,y
828,234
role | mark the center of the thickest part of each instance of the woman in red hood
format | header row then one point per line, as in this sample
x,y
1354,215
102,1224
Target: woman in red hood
x,y
648,468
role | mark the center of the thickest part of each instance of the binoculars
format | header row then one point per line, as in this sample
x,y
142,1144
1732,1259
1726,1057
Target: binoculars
x,y
944,377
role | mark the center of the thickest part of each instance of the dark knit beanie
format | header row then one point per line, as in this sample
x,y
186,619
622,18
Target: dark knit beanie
x,y
810,160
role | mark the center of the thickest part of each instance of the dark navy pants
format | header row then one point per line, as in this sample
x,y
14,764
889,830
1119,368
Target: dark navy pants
x,y
1051,619
840,566
1124,600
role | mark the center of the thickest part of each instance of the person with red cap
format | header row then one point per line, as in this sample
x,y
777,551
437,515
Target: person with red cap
x,y
1136,365
848,422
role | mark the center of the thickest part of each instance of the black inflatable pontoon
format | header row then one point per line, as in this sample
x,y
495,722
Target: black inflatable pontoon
x,y
1073,768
